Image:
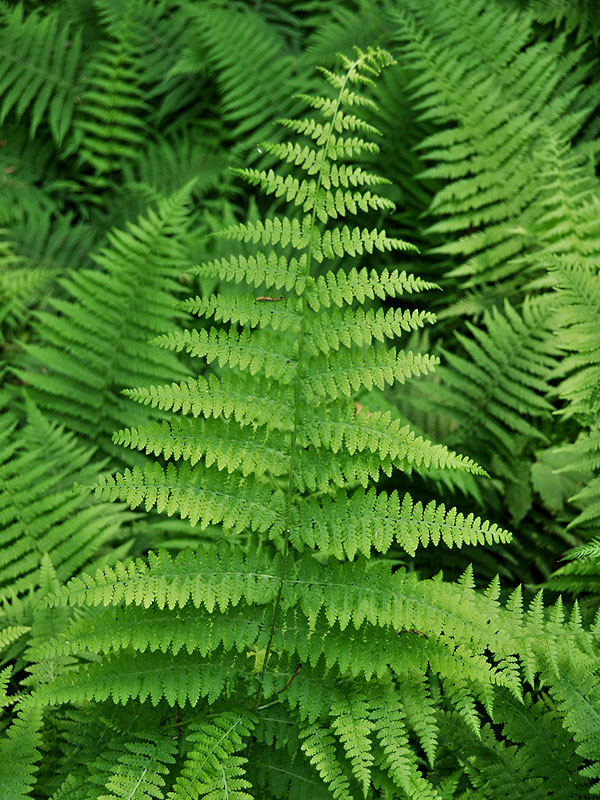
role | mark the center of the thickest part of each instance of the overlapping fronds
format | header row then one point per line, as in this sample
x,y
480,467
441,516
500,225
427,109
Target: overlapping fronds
x,y
39,510
496,118
33,253
582,16
212,768
294,350
110,126
511,768
495,389
24,167
133,768
577,376
271,442
183,629
306,643
254,77
577,291
155,32
20,752
81,359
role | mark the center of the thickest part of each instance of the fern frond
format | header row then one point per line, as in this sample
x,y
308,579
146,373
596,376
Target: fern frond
x,y
10,634
226,396
205,497
330,205
110,126
377,520
575,324
259,339
173,159
84,354
138,769
397,601
41,70
17,284
500,769
40,512
577,698
289,658
212,769
353,727
581,15
347,625
529,730
156,35
390,728
152,677
36,250
357,285
45,625
20,751
418,708
496,388
56,243
575,312
318,744
476,73
165,581
253,78
24,166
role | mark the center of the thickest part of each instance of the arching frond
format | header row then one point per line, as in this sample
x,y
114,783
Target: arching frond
x,y
79,360
496,118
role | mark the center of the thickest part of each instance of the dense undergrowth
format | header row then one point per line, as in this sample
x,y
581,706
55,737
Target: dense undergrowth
x,y
299,455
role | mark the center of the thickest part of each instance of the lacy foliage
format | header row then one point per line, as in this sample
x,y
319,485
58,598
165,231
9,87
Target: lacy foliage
x,y
262,612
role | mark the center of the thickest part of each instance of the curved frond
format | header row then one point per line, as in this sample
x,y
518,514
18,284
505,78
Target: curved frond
x,y
498,125
85,353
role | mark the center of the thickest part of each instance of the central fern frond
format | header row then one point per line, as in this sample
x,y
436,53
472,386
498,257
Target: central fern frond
x,y
291,351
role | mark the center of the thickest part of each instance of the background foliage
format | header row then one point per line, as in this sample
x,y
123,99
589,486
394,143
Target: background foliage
x,y
323,573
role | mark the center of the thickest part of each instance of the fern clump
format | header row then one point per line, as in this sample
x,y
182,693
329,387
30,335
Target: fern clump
x,y
298,655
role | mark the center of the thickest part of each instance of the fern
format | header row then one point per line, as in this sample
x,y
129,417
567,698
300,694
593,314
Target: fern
x,y
24,165
208,498
41,63
34,252
20,751
307,643
79,382
493,113
581,15
154,32
110,127
211,768
577,294
253,78
357,655
40,512
136,768
498,384
333,373
500,237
